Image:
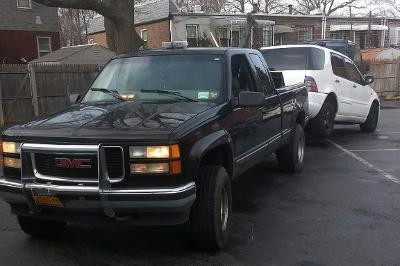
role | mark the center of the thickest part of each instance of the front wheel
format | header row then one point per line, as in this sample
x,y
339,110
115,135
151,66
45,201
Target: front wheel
x,y
371,123
291,156
39,227
210,217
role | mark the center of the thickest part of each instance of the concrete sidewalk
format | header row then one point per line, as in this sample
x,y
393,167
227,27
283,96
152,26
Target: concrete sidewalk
x,y
392,104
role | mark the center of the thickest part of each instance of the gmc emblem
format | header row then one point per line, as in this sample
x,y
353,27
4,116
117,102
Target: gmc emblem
x,y
73,163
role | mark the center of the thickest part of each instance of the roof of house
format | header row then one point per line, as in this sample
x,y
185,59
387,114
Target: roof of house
x,y
147,11
79,54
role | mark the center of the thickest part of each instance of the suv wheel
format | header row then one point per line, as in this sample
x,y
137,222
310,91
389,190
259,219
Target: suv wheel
x,y
322,124
291,156
371,123
210,217
39,227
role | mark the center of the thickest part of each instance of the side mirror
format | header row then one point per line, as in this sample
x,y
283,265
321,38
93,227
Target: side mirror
x,y
251,99
73,98
368,79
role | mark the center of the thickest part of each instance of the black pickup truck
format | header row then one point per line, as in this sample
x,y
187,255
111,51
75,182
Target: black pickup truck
x,y
156,140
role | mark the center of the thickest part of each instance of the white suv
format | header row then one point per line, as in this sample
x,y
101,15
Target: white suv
x,y
337,90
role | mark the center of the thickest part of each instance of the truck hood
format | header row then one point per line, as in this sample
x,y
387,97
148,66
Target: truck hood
x,y
111,121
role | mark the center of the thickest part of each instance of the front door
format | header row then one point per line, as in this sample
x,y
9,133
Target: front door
x,y
246,122
358,94
272,113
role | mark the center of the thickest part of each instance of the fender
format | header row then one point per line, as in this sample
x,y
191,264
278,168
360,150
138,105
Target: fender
x,y
202,146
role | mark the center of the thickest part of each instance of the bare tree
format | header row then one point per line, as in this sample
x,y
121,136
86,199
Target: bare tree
x,y
74,25
237,5
119,20
327,7
272,6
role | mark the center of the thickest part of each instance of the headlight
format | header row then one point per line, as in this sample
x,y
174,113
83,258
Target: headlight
x,y
12,162
150,168
11,147
154,152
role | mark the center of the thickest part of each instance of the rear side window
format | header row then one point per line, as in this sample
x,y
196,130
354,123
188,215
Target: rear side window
x,y
338,66
297,58
263,79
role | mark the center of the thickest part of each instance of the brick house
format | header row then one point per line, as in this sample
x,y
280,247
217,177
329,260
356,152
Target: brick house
x,y
160,20
152,23
27,31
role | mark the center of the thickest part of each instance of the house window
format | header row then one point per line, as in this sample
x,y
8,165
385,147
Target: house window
x,y
44,45
224,39
304,34
235,38
192,34
143,35
24,4
267,36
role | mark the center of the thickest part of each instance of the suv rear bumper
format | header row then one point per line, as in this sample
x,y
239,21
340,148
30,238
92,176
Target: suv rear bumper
x,y
92,200
316,100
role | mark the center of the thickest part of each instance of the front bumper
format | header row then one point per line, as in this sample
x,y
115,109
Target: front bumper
x,y
175,201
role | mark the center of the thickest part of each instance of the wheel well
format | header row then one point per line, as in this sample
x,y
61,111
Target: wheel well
x,y
221,156
333,100
376,102
301,119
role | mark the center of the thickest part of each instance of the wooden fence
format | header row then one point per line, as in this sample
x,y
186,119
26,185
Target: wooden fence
x,y
27,91
387,78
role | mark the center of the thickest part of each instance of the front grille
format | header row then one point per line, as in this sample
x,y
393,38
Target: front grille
x,y
46,165
115,163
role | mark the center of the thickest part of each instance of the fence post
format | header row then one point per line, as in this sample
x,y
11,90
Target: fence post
x,y
2,122
35,101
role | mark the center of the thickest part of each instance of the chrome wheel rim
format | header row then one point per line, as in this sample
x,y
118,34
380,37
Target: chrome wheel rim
x,y
300,150
224,209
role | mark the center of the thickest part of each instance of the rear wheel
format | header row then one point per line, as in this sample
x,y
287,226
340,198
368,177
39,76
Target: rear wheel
x,y
371,123
39,227
322,125
210,216
291,156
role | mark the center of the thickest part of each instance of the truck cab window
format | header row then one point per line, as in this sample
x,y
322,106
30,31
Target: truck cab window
x,y
241,75
263,79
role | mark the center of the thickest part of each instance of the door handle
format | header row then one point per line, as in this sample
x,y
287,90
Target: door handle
x,y
337,81
354,86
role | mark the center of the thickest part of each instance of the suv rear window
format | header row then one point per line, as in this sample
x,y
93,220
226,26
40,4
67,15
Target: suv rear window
x,y
297,58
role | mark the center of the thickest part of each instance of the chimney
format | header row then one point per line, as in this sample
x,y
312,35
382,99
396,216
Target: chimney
x,y
255,8
290,9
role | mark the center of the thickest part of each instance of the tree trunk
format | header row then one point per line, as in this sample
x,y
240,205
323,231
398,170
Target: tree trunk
x,y
121,34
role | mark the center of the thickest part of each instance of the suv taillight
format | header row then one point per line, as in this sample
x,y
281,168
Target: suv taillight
x,y
310,83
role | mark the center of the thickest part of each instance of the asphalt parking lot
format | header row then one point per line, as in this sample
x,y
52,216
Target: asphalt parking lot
x,y
342,210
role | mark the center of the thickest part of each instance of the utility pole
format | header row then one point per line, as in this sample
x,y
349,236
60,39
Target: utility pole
x,y
351,25
369,37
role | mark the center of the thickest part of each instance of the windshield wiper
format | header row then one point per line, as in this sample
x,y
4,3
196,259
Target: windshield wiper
x,y
109,92
173,93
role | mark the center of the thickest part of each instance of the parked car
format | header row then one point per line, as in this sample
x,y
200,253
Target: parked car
x,y
337,90
157,139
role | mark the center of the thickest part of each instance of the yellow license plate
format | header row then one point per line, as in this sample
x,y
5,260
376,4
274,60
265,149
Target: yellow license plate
x,y
51,201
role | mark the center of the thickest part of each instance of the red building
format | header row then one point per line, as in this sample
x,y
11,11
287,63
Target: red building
x,y
27,31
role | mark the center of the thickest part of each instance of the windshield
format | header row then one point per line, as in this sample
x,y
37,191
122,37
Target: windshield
x,y
160,78
297,58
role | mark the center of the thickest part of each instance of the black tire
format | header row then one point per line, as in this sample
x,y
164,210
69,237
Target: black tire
x,y
322,125
40,227
371,123
291,156
210,217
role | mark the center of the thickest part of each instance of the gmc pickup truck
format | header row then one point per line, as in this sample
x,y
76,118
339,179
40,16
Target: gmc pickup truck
x,y
156,139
